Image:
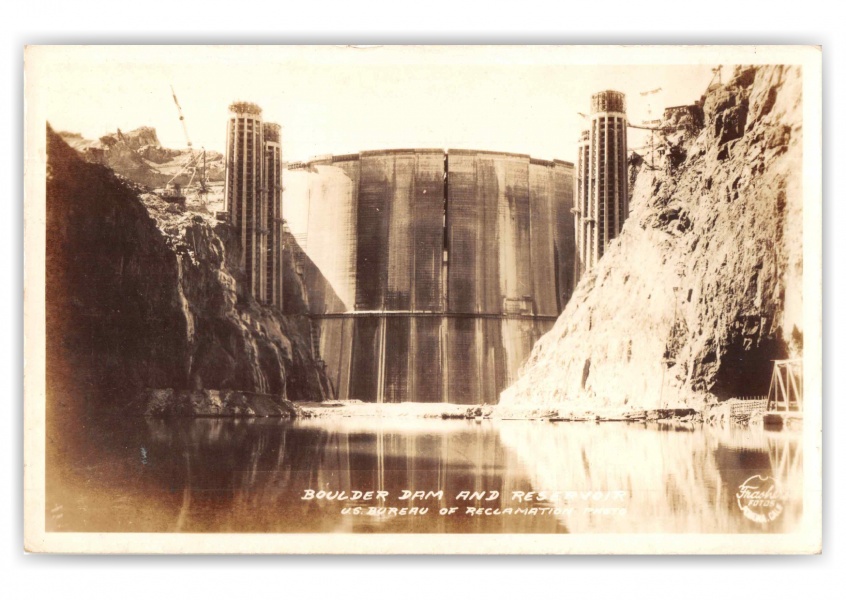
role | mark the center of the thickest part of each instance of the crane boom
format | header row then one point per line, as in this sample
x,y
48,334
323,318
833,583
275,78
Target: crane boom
x,y
181,116
191,162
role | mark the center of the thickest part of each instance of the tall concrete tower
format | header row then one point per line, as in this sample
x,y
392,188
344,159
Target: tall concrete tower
x,y
244,153
253,197
601,180
273,213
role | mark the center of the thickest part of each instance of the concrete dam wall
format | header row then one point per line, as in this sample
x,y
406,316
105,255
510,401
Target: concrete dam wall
x,y
431,274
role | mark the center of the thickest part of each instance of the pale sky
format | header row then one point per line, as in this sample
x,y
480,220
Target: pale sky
x,y
332,100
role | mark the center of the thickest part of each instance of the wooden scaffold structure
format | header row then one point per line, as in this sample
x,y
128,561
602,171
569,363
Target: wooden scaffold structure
x,y
785,398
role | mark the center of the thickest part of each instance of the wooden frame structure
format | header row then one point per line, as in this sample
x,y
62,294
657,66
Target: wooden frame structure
x,y
786,393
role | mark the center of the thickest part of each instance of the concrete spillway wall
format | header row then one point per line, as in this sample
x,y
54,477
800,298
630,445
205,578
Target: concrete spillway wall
x,y
432,274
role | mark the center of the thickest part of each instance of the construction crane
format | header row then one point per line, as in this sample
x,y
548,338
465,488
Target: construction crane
x,y
181,116
192,160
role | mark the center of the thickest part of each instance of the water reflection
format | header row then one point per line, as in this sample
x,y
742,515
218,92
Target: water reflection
x,y
678,479
252,475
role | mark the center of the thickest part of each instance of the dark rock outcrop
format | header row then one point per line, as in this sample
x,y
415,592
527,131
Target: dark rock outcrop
x,y
140,295
212,403
703,288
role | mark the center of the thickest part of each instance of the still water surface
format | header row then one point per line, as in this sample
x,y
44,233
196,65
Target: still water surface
x,y
252,475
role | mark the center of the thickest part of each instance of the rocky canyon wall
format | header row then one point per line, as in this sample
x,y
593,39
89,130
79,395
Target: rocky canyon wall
x,y
141,294
703,288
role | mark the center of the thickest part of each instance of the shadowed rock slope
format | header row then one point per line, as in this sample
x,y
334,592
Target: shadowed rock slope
x,y
703,288
141,294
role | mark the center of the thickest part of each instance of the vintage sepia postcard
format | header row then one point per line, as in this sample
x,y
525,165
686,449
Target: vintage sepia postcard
x,y
447,299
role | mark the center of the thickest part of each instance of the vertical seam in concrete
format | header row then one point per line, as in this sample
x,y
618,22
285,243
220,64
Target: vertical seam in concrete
x,y
606,217
446,245
445,376
443,334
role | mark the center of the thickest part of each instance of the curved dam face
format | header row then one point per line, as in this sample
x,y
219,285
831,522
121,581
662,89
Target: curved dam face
x,y
432,273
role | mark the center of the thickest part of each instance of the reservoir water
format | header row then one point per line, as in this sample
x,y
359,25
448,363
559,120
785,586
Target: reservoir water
x,y
419,475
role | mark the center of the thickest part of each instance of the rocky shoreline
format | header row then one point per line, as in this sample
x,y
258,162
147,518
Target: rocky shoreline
x,y
210,403
229,403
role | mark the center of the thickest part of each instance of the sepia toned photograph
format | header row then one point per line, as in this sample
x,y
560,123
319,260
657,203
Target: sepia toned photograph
x,y
523,299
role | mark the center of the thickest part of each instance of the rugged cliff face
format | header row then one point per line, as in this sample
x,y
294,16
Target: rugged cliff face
x,y
143,295
703,288
139,156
